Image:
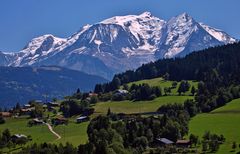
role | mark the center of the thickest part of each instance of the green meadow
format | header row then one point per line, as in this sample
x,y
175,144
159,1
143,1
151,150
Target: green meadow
x,y
164,83
224,120
73,132
139,106
19,126
77,133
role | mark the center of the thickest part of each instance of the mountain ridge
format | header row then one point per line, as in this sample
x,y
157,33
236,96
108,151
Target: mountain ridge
x,y
119,43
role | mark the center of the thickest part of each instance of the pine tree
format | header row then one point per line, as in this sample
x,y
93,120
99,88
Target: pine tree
x,y
193,90
109,112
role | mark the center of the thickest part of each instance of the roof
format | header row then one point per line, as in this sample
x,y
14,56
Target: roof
x,y
20,135
28,109
61,119
183,141
54,103
165,140
82,117
122,91
27,105
93,94
38,101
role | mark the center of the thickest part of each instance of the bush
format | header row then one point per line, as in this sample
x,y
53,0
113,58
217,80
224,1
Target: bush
x,y
2,120
93,100
152,97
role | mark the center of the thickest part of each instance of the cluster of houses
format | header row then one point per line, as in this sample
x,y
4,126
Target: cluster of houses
x,y
28,108
61,120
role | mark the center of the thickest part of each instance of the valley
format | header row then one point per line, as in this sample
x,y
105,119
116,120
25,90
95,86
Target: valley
x,y
76,133
114,78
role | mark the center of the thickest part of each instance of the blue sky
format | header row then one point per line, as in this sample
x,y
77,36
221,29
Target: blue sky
x,y
21,20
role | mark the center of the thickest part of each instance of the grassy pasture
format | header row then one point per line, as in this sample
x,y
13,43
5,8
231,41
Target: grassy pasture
x,y
224,120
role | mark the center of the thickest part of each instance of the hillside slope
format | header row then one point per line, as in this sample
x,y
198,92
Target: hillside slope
x,y
224,120
21,84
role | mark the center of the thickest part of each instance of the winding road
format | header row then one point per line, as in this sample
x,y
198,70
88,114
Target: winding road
x,y
51,130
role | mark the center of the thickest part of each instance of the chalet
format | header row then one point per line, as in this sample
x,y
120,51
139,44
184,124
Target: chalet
x,y
5,114
183,143
163,142
45,106
27,111
26,106
59,121
93,94
53,104
82,119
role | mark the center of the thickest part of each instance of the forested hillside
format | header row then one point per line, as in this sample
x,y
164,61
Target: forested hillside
x,y
21,84
223,60
217,69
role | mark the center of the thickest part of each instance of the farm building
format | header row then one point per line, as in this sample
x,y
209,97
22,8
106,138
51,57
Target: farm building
x,y
82,119
5,114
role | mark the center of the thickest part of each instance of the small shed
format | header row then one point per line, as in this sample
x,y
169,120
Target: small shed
x,y
82,119
183,143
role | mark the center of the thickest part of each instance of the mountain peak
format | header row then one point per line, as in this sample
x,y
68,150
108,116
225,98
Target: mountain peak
x,y
184,17
146,14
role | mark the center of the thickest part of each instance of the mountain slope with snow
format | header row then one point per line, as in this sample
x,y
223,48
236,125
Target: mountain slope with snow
x,y
119,43
184,35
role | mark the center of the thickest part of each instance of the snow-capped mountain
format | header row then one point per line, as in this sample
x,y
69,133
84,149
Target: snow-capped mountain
x,y
6,58
182,35
37,49
119,43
